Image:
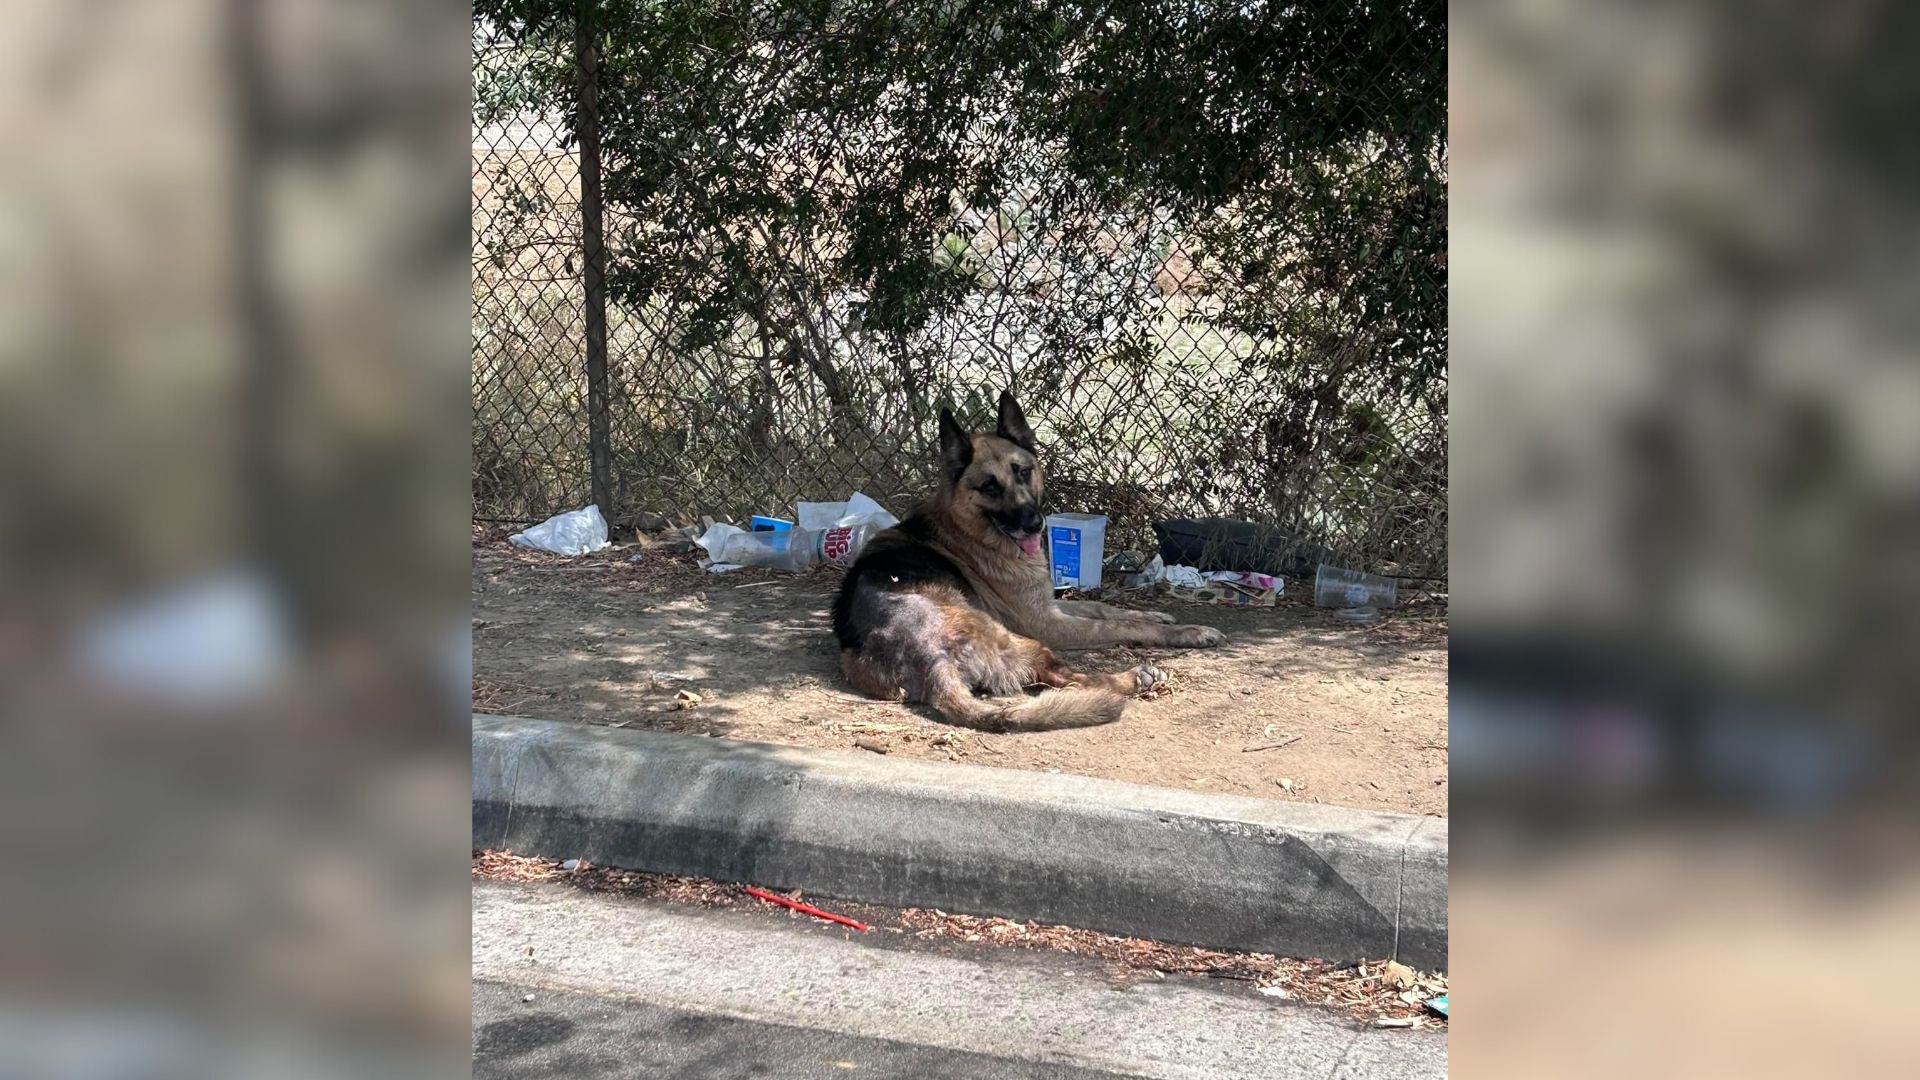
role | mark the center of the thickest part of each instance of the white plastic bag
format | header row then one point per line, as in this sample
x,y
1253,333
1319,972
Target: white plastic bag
x,y
857,510
1150,575
714,540
1186,577
220,639
575,532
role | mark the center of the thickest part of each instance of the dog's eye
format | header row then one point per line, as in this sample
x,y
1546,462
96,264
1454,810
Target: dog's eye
x,y
991,487
1022,474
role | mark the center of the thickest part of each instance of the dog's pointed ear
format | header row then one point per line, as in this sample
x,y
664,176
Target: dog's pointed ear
x,y
1013,424
956,446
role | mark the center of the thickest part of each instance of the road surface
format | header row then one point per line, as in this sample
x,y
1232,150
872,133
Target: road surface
x,y
580,985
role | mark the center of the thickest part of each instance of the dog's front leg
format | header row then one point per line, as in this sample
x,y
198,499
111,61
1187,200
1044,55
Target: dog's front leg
x,y
1094,609
1059,630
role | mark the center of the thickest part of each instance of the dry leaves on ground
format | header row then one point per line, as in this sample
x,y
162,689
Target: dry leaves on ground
x,y
1382,991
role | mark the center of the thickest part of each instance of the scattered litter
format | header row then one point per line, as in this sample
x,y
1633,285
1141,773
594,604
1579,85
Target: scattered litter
x,y
686,699
570,865
1227,594
805,909
1182,577
731,547
1334,587
1275,992
754,584
874,745
1249,579
1439,1005
1222,588
858,509
1288,741
576,532
1224,543
822,533
1357,615
1398,975
526,997
1286,784
636,557
1396,1022
1151,573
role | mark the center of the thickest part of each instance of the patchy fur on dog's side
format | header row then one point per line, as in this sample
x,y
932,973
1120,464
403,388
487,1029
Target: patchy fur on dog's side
x,y
957,601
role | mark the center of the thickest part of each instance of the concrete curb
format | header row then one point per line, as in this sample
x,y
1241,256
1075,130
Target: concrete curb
x,y
1215,870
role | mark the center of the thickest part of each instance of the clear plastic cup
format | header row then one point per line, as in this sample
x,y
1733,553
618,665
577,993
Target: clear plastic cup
x,y
1337,588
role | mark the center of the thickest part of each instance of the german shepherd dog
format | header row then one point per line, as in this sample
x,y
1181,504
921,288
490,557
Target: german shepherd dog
x,y
957,601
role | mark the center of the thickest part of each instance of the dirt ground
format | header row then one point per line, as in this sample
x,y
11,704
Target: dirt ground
x,y
602,640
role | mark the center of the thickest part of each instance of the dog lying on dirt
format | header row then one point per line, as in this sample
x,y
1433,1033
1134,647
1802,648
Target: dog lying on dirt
x,y
957,600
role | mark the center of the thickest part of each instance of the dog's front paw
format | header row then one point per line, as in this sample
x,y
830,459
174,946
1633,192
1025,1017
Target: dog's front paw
x,y
1152,616
1148,677
1196,637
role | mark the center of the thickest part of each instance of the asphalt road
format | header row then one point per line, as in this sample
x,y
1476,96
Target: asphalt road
x,y
629,988
565,1034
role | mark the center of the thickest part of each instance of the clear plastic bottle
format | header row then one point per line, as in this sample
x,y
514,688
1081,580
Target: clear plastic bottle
x,y
798,549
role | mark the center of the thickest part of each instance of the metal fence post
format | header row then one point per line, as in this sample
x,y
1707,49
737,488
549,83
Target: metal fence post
x,y
593,257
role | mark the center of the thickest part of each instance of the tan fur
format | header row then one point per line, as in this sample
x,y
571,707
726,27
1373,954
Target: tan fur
x,y
1018,588
933,641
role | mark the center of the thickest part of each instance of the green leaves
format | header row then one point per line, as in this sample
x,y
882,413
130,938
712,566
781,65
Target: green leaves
x,y
1213,205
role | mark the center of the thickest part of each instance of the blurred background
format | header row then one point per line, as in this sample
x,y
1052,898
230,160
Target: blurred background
x,y
235,390
1684,480
233,646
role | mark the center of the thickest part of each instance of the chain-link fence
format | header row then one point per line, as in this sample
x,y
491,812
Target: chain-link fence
x,y
1203,243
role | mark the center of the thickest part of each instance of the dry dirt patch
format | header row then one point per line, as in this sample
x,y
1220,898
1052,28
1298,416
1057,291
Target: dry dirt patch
x,y
601,640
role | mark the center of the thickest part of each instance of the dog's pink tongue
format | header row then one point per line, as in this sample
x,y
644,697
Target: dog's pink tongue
x,y
1030,544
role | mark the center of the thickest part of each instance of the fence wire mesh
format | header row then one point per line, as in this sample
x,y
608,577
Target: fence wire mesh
x,y
1203,243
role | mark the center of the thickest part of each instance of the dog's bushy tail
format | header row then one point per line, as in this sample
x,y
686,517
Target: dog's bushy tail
x,y
1049,711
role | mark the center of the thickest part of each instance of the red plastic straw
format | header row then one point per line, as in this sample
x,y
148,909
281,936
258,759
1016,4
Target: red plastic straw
x,y
806,909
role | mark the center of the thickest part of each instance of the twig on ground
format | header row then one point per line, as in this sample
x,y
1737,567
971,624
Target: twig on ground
x,y
1288,741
